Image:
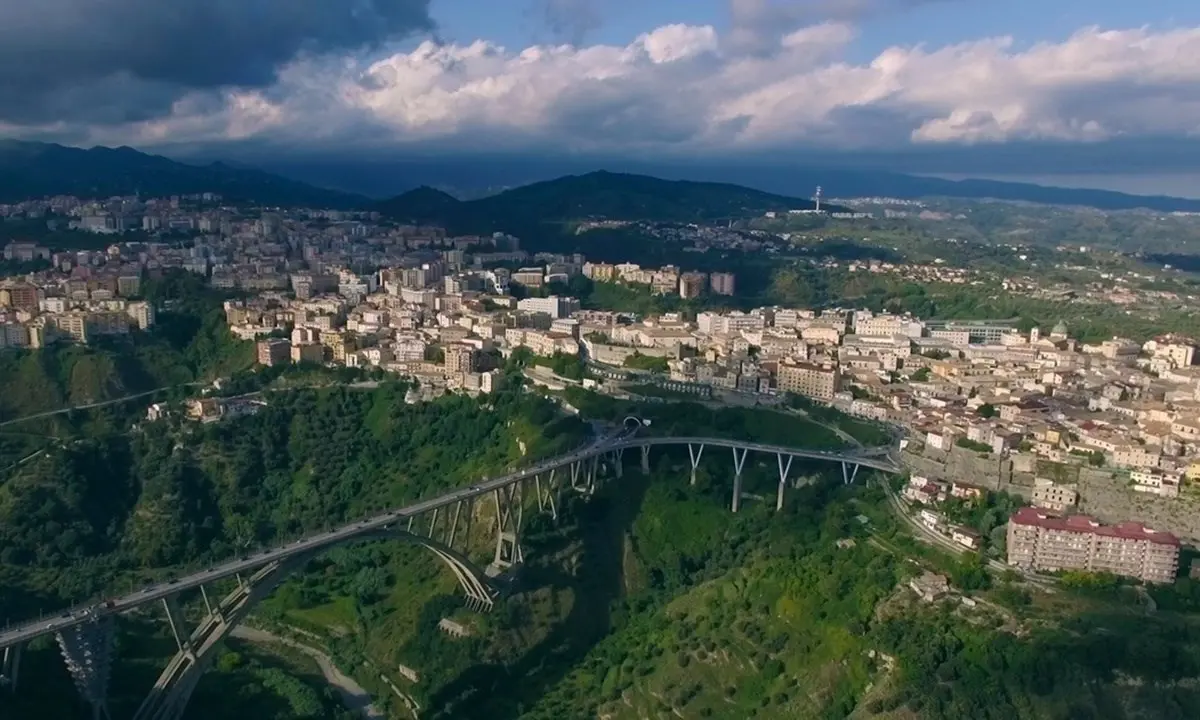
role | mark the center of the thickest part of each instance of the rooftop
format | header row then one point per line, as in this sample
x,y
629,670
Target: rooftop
x,y
1088,525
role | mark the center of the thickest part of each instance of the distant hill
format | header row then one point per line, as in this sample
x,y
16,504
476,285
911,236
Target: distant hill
x,y
476,176
598,195
30,169
862,183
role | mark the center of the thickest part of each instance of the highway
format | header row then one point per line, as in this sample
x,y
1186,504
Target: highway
x,y
620,440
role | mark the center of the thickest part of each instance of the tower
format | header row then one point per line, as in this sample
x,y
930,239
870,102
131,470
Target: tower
x,y
817,199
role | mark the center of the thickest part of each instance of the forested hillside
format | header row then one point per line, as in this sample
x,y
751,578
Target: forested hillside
x,y
649,600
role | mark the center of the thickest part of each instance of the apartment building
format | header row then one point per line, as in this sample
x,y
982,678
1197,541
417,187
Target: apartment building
x,y
1040,541
691,285
808,379
460,359
274,351
722,283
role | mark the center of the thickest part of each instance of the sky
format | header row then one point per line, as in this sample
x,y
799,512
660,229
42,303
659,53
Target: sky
x,y
961,86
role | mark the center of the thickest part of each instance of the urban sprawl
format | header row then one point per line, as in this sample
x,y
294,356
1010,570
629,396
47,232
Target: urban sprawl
x,y
1111,429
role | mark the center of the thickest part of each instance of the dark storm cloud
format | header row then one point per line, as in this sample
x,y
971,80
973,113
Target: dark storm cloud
x,y
108,61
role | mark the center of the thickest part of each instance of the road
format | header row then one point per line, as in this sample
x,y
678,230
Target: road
x,y
89,406
359,385
354,697
936,538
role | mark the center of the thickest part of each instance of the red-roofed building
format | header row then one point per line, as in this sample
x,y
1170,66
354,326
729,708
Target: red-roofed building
x,y
1041,541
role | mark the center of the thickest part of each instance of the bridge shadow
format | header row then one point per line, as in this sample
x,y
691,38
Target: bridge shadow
x,y
494,691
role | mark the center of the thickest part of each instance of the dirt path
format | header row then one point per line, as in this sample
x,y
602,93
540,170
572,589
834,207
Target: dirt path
x,y
354,697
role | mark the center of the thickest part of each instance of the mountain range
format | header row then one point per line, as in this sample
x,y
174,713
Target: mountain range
x,y
29,169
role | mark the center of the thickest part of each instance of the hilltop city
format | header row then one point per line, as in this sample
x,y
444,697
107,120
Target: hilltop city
x,y
982,406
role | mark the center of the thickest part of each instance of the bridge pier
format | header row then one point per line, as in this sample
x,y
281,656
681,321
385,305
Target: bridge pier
x,y
783,473
549,496
452,531
509,514
618,465
175,619
695,454
576,474
593,476
739,460
87,651
433,518
467,521
208,606
849,474
645,459
10,666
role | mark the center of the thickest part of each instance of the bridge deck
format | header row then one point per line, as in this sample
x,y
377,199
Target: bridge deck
x,y
248,563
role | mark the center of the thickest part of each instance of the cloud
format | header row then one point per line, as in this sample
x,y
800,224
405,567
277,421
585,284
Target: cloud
x,y
115,61
756,26
681,91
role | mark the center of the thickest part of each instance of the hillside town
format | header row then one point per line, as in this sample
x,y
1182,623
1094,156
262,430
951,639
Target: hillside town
x,y
1111,429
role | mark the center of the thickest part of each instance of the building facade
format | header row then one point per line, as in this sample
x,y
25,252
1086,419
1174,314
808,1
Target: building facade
x,y
808,379
274,351
722,283
1040,541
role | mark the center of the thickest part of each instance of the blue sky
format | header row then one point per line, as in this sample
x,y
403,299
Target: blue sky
x,y
517,23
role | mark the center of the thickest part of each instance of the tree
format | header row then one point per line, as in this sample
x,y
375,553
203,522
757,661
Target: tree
x,y
987,410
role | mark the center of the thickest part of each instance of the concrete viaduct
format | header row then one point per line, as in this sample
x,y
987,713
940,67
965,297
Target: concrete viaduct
x,y
441,525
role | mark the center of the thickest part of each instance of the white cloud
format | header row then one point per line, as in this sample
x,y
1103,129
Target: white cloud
x,y
683,89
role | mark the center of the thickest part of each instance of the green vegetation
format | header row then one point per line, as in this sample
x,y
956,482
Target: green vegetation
x,y
563,365
649,599
652,363
805,286
975,445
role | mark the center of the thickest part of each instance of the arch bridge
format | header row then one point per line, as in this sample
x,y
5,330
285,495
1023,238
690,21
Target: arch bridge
x,y
441,525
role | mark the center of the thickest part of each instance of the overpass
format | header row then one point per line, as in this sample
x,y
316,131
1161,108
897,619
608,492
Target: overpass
x,y
442,525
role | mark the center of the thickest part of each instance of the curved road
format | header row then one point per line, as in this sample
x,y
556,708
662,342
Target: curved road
x,y
621,440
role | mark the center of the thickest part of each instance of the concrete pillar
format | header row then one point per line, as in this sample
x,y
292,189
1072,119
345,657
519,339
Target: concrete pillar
x,y
849,474
175,619
783,473
739,460
10,668
694,453
645,459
